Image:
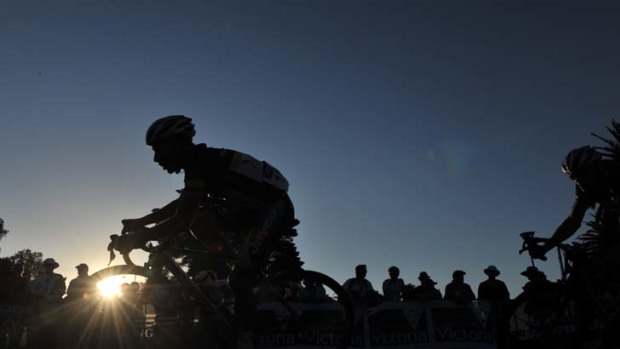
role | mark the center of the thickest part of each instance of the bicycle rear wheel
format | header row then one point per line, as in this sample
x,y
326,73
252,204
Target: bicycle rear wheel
x,y
315,321
346,324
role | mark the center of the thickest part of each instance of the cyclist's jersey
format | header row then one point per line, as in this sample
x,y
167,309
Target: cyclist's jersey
x,y
606,195
233,175
606,198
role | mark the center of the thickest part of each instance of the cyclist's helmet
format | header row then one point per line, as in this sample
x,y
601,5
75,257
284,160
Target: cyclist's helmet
x,y
172,126
580,158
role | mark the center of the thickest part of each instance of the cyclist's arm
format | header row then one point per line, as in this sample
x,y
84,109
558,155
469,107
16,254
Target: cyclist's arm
x,y
161,214
570,225
186,208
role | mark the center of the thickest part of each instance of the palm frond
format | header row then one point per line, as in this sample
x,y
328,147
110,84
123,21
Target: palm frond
x,y
611,149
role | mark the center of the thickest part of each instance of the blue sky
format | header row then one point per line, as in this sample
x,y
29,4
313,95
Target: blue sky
x,y
421,134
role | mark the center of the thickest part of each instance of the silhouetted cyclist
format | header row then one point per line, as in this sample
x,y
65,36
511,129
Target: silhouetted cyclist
x,y
597,182
254,202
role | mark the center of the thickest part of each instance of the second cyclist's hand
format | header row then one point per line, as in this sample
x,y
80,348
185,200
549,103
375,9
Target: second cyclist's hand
x,y
132,225
538,252
128,242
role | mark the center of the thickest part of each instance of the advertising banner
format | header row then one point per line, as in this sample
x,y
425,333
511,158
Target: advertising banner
x,y
15,314
438,324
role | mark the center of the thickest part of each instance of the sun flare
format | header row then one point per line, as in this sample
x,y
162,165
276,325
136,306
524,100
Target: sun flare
x,y
110,287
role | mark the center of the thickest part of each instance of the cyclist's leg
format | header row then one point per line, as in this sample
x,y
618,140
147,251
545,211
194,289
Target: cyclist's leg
x,y
260,242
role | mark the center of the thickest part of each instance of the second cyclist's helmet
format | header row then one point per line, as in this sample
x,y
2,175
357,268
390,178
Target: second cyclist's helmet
x,y
172,126
580,158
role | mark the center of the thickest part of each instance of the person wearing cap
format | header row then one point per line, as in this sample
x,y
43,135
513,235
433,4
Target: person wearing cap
x,y
48,285
82,287
457,290
492,289
359,287
427,290
80,301
394,286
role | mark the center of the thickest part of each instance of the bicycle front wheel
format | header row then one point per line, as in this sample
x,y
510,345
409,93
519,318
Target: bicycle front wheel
x,y
542,321
323,321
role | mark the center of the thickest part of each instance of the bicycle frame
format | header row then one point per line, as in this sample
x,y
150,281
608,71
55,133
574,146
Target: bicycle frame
x,y
161,257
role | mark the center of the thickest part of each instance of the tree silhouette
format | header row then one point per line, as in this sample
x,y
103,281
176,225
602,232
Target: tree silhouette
x,y
32,261
408,292
3,231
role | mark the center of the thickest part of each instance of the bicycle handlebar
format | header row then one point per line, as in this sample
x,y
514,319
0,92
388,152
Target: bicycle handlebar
x,y
147,247
530,240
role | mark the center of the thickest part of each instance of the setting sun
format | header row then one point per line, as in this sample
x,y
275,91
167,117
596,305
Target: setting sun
x,y
110,287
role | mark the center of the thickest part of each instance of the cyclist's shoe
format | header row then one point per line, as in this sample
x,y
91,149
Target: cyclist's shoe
x,y
245,340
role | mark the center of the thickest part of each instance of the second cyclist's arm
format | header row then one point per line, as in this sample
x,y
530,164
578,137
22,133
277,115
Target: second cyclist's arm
x,y
186,208
570,225
161,214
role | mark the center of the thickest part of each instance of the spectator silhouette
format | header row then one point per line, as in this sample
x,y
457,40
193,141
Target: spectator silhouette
x,y
537,280
80,305
457,290
426,291
394,286
47,289
493,290
124,290
22,283
312,291
132,295
496,293
539,289
358,287
7,279
82,287
49,286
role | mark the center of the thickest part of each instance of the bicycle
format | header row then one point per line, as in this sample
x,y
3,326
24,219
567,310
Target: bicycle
x,y
570,313
162,257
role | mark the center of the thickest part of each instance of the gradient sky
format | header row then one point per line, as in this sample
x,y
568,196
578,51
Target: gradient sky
x,y
422,134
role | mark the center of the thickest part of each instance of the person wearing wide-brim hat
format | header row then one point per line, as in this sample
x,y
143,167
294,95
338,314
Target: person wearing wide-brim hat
x,y
47,290
492,289
49,285
537,280
532,272
491,271
51,263
426,291
496,293
425,278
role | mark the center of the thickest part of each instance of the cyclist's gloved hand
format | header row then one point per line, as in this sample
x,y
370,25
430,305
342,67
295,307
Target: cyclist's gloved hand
x,y
131,225
538,252
128,242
